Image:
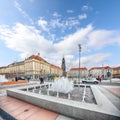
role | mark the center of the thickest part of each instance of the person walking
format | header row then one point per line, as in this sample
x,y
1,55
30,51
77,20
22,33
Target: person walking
x,y
41,80
99,78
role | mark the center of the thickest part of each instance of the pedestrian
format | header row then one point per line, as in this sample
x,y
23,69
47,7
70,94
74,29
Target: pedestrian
x,y
16,78
41,80
99,78
28,79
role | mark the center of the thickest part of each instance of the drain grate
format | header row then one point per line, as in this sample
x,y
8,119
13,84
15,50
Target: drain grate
x,y
26,110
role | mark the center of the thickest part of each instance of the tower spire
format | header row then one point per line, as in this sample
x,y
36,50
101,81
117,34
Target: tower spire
x,y
63,66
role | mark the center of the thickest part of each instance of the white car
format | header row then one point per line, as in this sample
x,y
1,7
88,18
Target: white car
x,y
90,80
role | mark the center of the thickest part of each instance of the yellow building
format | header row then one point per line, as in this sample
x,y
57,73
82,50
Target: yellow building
x,y
32,67
116,72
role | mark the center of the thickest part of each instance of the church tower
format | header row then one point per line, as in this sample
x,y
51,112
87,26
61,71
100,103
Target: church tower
x,y
63,66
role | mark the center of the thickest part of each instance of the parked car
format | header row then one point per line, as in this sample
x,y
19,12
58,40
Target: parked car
x,y
19,78
90,80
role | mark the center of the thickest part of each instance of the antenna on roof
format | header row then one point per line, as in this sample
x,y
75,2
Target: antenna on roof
x,y
38,54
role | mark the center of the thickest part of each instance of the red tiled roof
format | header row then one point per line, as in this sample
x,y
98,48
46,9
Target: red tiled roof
x,y
36,57
79,68
105,67
55,66
41,59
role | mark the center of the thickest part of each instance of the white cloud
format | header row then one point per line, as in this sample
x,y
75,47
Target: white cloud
x,y
25,15
55,14
85,7
71,23
101,38
82,16
25,39
28,40
64,24
56,23
70,11
87,61
43,24
59,23
69,43
95,59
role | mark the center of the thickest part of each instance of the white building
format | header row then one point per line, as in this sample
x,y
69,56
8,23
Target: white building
x,y
74,72
103,72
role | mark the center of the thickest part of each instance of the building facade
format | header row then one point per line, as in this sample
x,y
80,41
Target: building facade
x,y
74,72
116,72
105,72
32,67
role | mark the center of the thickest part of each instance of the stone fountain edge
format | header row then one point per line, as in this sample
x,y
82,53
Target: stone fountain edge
x,y
70,108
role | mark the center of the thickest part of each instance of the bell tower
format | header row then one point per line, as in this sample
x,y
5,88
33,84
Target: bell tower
x,y
63,66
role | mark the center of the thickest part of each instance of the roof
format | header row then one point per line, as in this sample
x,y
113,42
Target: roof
x,y
16,63
36,57
116,67
78,69
54,66
104,67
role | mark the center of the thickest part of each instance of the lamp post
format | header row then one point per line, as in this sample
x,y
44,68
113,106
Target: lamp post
x,y
16,65
79,45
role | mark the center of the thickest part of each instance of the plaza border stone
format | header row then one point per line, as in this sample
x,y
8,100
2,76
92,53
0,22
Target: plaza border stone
x,y
103,110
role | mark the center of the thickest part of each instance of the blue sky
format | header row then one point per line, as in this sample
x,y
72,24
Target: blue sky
x,y
54,28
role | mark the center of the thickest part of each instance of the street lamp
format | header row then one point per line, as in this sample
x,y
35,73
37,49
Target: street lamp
x,y
16,69
79,45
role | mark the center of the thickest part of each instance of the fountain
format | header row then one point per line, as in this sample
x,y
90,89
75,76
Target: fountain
x,y
77,101
62,85
3,79
63,88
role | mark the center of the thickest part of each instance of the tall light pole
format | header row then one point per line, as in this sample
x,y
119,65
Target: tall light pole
x,y
16,65
79,45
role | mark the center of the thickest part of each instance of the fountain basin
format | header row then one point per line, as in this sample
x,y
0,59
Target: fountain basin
x,y
82,93
103,109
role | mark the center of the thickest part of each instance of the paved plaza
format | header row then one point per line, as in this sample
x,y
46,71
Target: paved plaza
x,y
21,110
